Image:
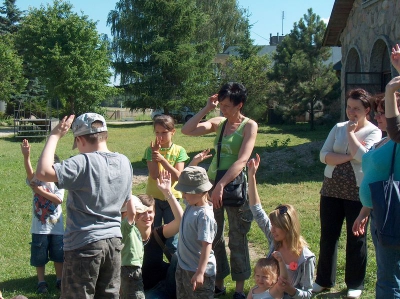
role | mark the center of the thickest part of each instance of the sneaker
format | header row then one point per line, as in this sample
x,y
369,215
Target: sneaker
x,y
42,287
239,295
58,284
219,292
316,288
352,293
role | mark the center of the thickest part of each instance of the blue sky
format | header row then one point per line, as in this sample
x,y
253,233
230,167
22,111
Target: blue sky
x,y
266,15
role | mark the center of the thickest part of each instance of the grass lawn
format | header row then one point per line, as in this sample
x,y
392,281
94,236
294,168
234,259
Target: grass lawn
x,y
290,173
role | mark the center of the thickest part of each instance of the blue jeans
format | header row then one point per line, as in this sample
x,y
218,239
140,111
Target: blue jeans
x,y
45,248
164,215
165,289
388,267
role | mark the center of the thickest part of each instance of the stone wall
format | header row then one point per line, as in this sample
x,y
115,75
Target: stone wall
x,y
371,24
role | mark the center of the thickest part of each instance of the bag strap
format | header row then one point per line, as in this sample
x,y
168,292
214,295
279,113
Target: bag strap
x,y
220,142
393,159
162,245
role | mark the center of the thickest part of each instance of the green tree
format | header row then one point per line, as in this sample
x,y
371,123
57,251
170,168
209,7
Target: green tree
x,y
10,16
11,77
225,24
251,70
302,81
156,55
64,50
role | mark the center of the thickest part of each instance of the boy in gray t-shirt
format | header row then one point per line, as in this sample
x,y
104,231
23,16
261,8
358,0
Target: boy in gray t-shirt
x,y
98,183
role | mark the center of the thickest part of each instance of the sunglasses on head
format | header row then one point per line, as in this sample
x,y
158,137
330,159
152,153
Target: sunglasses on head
x,y
282,209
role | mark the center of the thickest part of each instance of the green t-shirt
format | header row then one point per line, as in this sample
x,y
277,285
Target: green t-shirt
x,y
132,252
173,154
230,147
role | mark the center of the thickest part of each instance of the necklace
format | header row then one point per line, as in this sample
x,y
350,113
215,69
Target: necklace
x,y
146,241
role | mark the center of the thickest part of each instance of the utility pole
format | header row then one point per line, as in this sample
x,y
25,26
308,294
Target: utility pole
x,y
283,16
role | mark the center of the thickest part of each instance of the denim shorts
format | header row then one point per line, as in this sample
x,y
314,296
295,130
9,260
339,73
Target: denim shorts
x,y
45,248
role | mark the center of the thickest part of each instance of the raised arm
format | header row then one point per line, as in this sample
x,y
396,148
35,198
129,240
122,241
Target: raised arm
x,y
45,171
249,139
253,165
164,184
193,127
26,152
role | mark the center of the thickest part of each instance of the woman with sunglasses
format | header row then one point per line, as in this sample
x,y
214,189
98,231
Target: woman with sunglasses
x,y
342,152
282,229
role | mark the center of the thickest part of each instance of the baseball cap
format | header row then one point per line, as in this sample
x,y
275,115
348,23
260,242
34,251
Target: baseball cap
x,y
83,125
139,206
193,180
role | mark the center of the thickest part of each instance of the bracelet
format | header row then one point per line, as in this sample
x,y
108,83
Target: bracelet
x,y
170,196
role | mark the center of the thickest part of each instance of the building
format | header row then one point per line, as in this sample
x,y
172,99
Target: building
x,y
366,30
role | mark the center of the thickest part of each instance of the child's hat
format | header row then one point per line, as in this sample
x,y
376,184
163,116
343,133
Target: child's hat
x,y
193,180
139,206
83,125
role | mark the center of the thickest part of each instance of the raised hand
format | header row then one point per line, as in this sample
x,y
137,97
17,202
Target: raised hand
x,y
25,148
200,157
395,57
63,126
164,181
253,164
212,102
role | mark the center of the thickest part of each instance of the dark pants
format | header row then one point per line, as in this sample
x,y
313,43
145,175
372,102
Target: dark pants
x,y
131,283
333,211
92,271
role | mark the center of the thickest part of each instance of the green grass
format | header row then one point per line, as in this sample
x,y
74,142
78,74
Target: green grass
x,y
299,186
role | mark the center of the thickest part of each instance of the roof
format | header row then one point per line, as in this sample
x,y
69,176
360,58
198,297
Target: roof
x,y
337,22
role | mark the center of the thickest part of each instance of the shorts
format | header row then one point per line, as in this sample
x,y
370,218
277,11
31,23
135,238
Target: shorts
x,y
45,248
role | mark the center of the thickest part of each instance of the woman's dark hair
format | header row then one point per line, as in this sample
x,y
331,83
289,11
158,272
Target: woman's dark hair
x,y
379,101
360,94
235,92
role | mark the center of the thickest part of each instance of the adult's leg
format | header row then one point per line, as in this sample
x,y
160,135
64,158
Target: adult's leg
x,y
239,219
221,257
356,248
331,218
388,267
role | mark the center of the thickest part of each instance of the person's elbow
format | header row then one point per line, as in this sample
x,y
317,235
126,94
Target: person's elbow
x,y
45,174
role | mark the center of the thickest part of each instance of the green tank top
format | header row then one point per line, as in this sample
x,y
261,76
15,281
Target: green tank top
x,y
230,147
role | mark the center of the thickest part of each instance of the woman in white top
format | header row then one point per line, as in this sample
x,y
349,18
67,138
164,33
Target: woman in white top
x,y
342,153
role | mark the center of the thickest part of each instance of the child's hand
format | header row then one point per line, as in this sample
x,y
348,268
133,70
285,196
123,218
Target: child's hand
x,y
63,126
395,57
156,156
278,256
200,157
253,165
197,280
25,148
164,181
155,146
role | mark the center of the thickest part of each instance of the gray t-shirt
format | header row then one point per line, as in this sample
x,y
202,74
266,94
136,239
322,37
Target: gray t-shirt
x,y
197,225
98,184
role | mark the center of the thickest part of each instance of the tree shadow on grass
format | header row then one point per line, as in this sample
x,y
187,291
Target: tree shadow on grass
x,y
129,125
335,295
27,287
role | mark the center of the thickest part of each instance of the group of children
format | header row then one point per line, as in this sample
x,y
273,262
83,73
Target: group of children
x,y
99,185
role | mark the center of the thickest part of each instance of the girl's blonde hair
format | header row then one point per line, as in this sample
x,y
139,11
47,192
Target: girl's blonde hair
x,y
165,121
285,217
268,266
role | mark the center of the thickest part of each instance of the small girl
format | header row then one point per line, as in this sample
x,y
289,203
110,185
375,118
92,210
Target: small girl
x,y
195,273
164,154
266,274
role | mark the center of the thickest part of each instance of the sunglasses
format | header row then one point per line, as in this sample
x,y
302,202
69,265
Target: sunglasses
x,y
283,210
378,113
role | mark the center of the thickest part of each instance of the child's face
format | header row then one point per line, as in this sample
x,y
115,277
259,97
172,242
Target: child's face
x,y
195,199
163,135
264,278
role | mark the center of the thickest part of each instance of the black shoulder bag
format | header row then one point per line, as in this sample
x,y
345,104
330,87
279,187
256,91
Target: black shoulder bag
x,y
235,193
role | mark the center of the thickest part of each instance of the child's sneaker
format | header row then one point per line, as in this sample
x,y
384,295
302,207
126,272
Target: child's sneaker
x,y
42,287
58,284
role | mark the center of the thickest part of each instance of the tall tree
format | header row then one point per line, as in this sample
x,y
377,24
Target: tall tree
x,y
302,81
64,50
10,16
156,55
11,78
225,25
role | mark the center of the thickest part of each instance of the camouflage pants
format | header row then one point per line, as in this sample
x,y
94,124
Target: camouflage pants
x,y
92,271
131,283
184,288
